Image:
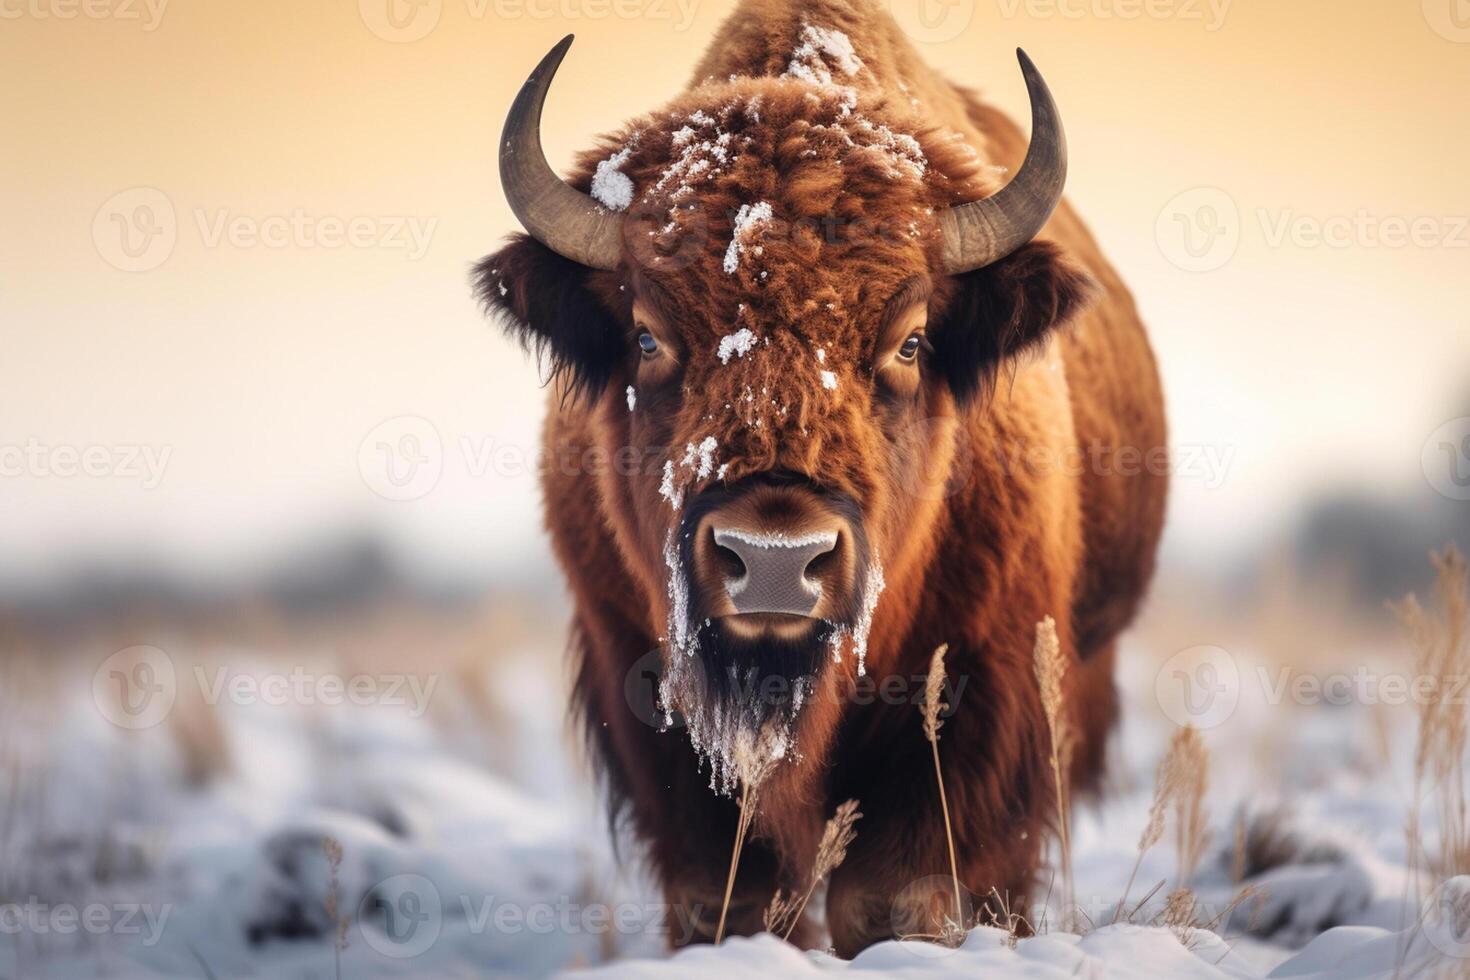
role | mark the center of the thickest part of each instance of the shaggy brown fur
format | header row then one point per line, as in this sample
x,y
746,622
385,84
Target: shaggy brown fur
x,y
976,474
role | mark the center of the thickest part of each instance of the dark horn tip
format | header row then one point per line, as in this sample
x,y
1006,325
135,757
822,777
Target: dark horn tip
x,y
552,60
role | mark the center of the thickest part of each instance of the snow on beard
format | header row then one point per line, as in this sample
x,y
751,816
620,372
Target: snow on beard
x,y
737,724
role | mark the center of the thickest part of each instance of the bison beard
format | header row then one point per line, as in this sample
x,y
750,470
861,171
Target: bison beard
x,y
734,693
737,691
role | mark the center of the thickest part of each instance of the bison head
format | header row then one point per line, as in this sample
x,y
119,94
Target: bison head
x,y
773,302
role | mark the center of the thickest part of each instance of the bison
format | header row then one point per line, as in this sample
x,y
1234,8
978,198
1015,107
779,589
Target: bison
x,y
822,397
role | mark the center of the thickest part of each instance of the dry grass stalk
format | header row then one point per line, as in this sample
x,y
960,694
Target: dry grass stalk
x,y
1191,818
755,758
1051,670
831,852
1144,900
1167,780
1182,912
1442,654
933,705
200,737
747,810
1237,859
1442,646
1178,915
933,694
1223,916
781,911
333,902
1000,914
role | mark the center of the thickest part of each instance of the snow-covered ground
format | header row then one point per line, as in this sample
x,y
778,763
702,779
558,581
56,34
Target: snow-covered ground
x,y
115,861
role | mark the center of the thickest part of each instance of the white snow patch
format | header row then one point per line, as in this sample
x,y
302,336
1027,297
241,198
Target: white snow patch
x,y
747,219
779,540
678,602
737,344
858,635
703,150
818,45
705,453
667,489
904,150
699,458
612,188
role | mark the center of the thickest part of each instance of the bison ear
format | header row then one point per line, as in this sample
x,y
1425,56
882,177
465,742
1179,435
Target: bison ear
x,y
546,302
1005,310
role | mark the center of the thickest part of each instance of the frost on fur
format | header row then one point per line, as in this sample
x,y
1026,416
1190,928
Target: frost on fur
x,y
612,188
749,218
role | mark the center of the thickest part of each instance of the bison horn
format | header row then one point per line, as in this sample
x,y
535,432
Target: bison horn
x,y
557,215
982,232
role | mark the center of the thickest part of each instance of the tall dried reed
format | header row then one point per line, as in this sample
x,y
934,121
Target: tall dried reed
x,y
933,705
333,902
784,913
755,757
1051,671
1442,654
1191,829
1167,780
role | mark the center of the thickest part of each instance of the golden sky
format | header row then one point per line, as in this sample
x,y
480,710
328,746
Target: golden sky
x,y
327,173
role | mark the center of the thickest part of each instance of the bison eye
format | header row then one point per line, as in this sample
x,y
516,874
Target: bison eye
x,y
910,348
647,344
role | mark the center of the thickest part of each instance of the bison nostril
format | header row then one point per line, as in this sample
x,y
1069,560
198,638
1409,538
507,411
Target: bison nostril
x,y
820,564
729,562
